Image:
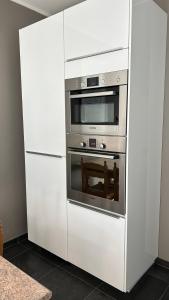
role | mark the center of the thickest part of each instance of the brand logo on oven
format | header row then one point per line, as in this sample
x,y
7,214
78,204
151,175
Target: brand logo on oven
x,y
92,127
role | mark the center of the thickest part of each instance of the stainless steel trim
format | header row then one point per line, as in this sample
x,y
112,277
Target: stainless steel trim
x,y
110,93
96,53
92,154
44,154
105,212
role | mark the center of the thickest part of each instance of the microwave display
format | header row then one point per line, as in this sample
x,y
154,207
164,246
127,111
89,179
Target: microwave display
x,y
93,81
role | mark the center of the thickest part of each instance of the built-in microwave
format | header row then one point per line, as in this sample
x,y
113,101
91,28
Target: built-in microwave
x,y
97,104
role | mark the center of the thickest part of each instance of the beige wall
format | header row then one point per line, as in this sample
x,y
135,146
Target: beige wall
x,y
164,213
12,180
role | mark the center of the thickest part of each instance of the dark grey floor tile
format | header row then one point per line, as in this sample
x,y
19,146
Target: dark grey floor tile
x,y
159,272
13,251
65,286
32,264
26,243
166,295
149,288
98,295
15,241
48,256
112,292
75,271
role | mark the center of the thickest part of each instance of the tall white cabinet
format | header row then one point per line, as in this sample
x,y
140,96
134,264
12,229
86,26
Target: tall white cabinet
x,y
42,72
90,38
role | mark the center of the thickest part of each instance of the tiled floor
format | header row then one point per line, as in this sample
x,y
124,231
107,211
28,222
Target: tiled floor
x,y
68,282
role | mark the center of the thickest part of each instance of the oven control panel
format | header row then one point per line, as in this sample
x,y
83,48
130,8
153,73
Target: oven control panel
x,y
92,144
102,143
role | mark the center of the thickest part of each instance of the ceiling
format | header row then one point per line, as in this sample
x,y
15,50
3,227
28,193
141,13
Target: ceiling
x,y
47,7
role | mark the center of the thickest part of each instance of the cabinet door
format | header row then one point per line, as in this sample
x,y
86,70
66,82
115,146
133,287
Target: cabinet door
x,y
42,71
96,244
96,26
46,202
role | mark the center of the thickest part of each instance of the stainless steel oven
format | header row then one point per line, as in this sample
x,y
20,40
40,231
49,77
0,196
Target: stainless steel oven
x,y
97,104
96,174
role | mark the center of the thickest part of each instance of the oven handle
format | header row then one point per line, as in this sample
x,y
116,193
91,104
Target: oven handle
x,y
94,155
109,93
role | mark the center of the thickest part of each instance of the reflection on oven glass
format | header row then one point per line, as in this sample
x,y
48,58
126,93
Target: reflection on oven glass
x,y
98,177
99,180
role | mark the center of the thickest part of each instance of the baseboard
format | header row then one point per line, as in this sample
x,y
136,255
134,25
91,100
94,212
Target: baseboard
x,y
15,240
162,263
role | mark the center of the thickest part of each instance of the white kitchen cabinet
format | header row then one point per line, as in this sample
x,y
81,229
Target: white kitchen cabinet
x,y
96,244
43,93
94,27
103,63
117,250
46,202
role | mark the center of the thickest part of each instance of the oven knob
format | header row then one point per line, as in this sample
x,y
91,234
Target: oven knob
x,y
83,144
102,146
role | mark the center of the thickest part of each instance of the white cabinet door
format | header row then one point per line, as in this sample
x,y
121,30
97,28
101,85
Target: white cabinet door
x,y
96,244
46,202
42,71
96,26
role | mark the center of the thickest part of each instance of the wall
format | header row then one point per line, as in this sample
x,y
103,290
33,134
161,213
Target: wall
x,y
12,177
164,212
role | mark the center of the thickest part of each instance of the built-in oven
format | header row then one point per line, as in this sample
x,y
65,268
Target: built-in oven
x,y
96,176
97,104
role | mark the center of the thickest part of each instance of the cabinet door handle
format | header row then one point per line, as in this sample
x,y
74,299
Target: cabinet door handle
x,y
89,95
76,203
44,154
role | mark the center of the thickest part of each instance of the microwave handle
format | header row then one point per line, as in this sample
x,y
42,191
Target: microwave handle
x,y
101,94
94,155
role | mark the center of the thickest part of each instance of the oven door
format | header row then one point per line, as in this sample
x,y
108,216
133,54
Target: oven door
x,y
97,180
97,111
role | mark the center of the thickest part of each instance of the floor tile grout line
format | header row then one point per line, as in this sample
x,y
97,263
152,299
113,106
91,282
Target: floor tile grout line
x,y
75,276
72,275
44,275
14,243
45,258
107,293
10,258
97,288
94,286
32,250
162,266
164,293
85,298
158,277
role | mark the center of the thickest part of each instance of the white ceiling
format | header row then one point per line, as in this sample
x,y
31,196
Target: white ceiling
x,y
47,7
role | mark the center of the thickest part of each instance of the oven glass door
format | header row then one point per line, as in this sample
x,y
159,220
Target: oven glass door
x,y
97,180
95,107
